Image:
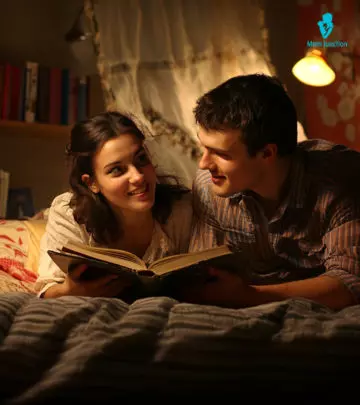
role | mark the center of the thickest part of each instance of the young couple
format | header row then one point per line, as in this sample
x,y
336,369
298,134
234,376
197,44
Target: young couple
x,y
293,207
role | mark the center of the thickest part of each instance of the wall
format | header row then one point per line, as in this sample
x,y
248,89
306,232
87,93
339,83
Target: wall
x,y
281,18
35,162
34,30
333,111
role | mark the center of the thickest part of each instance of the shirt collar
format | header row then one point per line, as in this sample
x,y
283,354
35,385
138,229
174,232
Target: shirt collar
x,y
296,180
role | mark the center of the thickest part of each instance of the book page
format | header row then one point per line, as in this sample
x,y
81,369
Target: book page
x,y
121,258
65,261
175,262
122,254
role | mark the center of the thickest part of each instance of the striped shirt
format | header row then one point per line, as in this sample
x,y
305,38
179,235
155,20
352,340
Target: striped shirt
x,y
316,228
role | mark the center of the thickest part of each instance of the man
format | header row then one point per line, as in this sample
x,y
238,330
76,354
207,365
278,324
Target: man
x,y
292,209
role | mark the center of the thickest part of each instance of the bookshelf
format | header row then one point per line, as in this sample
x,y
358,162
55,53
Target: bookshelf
x,y
33,129
41,101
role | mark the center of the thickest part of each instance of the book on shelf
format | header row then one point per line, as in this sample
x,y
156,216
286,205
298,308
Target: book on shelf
x,y
160,276
32,92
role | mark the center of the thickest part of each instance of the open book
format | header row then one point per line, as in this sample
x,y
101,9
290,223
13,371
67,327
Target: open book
x,y
166,276
121,262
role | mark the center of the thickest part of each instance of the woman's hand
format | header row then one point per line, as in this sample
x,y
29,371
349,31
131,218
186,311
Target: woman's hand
x,y
109,285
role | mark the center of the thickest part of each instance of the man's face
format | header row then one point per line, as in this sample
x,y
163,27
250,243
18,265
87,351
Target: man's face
x,y
227,159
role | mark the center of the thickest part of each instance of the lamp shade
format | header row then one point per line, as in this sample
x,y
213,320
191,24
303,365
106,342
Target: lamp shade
x,y
313,70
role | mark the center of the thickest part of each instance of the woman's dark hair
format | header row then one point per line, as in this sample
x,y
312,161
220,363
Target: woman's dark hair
x,y
93,210
256,104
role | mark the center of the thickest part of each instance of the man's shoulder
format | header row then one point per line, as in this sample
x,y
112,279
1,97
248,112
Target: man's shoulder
x,y
202,178
202,184
331,169
326,148
327,158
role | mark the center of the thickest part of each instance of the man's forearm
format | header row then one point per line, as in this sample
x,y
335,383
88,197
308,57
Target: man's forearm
x,y
325,290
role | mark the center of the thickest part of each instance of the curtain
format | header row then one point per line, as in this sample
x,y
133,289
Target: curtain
x,y
156,57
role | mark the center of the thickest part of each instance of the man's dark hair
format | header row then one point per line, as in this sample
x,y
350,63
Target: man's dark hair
x,y
256,104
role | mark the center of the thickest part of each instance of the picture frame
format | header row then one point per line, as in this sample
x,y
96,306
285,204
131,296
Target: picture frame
x,y
20,203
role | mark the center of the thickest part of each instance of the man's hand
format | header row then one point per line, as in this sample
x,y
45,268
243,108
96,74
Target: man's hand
x,y
222,288
229,290
108,285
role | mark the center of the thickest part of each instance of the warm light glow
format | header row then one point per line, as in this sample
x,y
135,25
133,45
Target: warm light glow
x,y
313,70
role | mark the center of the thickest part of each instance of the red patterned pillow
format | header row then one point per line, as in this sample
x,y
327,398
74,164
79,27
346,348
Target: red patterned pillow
x,y
11,284
14,251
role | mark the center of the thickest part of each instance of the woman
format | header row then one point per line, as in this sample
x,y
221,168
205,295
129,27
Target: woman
x,y
117,201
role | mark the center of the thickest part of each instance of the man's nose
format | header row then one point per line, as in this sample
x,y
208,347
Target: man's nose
x,y
205,161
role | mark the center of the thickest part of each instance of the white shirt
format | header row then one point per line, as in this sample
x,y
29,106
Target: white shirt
x,y
168,239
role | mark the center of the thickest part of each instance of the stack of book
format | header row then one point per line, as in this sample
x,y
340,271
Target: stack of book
x,y
36,93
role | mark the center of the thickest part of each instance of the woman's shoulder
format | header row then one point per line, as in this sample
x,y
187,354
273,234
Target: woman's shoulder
x,y
61,220
62,199
61,202
60,205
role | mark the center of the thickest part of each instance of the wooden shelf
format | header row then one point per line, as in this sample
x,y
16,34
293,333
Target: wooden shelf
x,y
33,129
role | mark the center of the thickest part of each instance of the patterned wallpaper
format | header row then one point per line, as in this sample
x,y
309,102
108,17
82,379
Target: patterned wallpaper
x,y
333,111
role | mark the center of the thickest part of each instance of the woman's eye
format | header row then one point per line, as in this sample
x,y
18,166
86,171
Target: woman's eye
x,y
117,171
142,160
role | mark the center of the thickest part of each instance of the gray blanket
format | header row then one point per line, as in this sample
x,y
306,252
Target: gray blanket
x,y
96,348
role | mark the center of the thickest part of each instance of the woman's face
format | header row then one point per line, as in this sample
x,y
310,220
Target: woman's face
x,y
124,174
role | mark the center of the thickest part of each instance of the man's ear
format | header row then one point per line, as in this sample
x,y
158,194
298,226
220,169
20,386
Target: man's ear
x,y
91,183
270,151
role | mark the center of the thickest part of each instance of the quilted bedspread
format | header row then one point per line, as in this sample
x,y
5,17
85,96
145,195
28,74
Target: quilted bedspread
x,y
93,349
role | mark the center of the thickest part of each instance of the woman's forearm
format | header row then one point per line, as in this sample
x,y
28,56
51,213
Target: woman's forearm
x,y
54,291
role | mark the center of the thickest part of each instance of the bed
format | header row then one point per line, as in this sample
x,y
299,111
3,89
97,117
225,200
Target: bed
x,y
97,349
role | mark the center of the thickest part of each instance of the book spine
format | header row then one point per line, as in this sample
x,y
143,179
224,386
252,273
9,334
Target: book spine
x,y
73,99
15,92
21,112
65,94
55,96
31,91
42,105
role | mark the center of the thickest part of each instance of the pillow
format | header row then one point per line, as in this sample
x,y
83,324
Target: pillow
x,y
36,229
14,243
11,284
